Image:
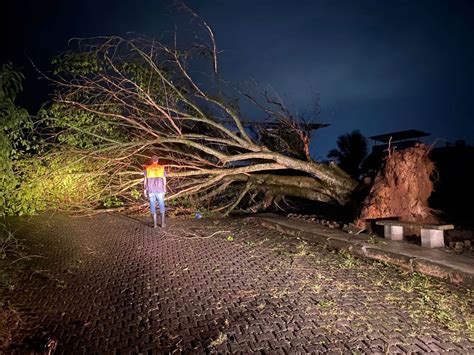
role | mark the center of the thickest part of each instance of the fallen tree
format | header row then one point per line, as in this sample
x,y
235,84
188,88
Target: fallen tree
x,y
121,100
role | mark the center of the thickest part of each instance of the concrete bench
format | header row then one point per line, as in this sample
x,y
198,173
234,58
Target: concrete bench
x,y
432,235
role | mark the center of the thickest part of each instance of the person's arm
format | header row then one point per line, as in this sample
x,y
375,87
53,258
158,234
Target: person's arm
x,y
164,180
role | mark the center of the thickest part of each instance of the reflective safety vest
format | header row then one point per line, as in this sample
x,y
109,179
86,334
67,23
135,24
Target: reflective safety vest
x,y
154,170
155,181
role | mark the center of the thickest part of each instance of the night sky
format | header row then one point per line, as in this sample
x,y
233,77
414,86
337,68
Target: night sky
x,y
378,66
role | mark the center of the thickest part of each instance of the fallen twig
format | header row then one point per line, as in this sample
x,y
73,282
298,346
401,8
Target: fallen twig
x,y
203,237
27,257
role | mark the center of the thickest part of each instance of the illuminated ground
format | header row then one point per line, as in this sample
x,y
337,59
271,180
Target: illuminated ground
x,y
113,283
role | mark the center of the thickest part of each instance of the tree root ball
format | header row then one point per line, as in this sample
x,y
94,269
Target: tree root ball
x,y
401,188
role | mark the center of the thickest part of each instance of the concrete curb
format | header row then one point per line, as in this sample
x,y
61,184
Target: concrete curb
x,y
454,268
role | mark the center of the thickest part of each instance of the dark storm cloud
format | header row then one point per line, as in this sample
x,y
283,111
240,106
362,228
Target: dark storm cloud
x,y
377,65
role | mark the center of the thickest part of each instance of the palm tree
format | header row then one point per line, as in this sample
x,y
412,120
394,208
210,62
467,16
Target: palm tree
x,y
350,153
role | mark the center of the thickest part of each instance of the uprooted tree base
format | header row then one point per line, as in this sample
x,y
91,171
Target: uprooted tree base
x,y
402,188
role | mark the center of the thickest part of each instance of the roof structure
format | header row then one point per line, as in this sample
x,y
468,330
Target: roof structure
x,y
273,125
401,135
308,126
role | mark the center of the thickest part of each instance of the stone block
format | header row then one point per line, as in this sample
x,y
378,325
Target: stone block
x,y
432,238
393,232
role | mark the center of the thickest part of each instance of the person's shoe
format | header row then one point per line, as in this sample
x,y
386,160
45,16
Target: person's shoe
x,y
163,220
154,221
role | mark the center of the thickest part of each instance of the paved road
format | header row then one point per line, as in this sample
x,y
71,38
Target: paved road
x,y
113,284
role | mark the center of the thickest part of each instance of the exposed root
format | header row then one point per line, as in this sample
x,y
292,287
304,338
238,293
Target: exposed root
x,y
402,188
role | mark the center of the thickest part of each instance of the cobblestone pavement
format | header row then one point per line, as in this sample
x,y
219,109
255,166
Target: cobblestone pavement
x,y
113,284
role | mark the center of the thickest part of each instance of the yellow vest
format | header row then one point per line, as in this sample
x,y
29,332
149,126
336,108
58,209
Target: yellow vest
x,y
155,171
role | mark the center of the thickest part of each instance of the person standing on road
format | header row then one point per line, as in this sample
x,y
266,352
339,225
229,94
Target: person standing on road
x,y
155,188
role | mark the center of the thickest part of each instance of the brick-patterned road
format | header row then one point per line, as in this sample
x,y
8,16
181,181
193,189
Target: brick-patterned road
x,y
113,284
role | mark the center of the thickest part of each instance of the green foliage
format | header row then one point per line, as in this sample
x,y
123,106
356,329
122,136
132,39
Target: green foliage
x,y
55,171
112,202
14,130
182,201
29,181
53,181
35,176
74,63
88,63
11,83
206,213
78,128
135,194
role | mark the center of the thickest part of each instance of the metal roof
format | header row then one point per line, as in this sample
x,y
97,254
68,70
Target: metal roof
x,y
397,136
273,125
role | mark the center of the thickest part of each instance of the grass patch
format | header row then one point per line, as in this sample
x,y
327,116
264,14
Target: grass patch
x,y
221,339
374,239
437,301
349,261
302,249
326,304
